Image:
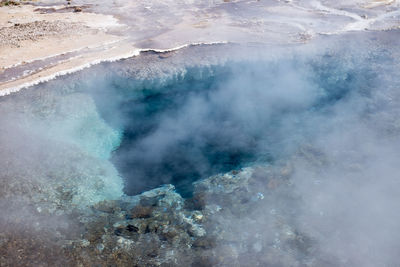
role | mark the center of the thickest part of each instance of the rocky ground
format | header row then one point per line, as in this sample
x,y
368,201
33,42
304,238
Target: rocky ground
x,y
160,228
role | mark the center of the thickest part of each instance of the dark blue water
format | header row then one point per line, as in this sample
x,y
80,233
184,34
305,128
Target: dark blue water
x,y
186,156
211,120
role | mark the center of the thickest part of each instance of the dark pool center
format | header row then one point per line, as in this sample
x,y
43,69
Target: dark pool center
x,y
205,120
181,116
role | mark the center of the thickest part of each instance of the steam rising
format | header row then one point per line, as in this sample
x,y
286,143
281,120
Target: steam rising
x,y
331,114
200,126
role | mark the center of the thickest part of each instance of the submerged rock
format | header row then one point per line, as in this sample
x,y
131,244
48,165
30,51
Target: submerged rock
x,y
160,228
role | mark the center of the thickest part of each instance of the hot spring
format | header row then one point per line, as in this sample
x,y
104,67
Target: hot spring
x,y
184,123
214,119
119,129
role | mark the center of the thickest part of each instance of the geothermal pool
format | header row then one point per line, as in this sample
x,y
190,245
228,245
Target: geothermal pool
x,y
291,150
201,120
215,119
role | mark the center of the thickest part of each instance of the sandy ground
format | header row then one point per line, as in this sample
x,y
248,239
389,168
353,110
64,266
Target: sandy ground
x,y
41,41
29,35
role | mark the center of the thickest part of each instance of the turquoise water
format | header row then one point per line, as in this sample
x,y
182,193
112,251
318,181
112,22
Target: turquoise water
x,y
213,119
330,117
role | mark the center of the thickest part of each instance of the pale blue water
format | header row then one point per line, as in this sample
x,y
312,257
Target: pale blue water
x,y
332,115
220,118
179,123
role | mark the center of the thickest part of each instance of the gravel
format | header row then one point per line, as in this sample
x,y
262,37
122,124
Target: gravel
x,y
34,31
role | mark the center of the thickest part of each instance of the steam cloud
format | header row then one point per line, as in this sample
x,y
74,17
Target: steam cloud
x,y
331,113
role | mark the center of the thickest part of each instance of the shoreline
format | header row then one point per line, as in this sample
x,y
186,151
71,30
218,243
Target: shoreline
x,y
39,43
64,60
38,79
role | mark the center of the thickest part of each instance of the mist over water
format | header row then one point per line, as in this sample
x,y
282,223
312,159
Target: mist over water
x,y
329,112
218,118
